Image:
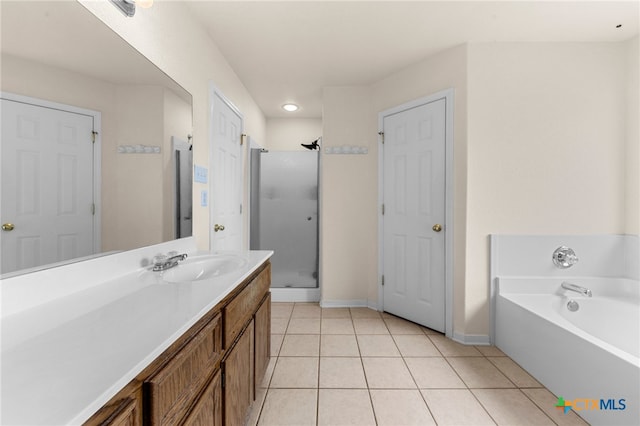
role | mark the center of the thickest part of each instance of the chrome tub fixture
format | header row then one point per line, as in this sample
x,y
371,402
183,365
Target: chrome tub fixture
x,y
564,257
577,288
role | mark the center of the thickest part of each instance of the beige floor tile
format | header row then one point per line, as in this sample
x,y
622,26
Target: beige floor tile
x,y
401,326
546,401
281,310
433,372
490,351
478,372
400,407
279,325
261,393
304,326
370,326
339,345
450,348
301,345
295,407
511,407
364,313
336,313
336,326
345,407
377,345
276,343
306,310
295,372
387,373
411,345
342,372
514,372
426,330
456,407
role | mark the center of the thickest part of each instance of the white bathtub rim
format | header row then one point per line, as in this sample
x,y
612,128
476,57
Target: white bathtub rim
x,y
556,319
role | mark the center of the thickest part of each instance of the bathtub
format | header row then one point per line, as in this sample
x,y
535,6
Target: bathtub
x,y
592,353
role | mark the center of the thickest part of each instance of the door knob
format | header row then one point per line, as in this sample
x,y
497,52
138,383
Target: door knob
x,y
217,227
8,226
437,227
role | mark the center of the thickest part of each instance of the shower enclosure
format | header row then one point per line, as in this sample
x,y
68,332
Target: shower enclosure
x,y
284,214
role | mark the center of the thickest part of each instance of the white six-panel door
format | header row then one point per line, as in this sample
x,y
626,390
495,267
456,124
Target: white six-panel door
x,y
226,175
414,217
47,185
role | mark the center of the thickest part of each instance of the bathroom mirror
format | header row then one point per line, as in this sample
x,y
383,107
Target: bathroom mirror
x,y
59,53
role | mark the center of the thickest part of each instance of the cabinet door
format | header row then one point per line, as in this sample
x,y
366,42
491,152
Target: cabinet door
x,y
208,409
129,416
172,390
263,340
238,379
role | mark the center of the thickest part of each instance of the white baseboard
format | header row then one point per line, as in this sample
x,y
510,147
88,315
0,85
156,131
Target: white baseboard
x,y
295,294
472,339
352,303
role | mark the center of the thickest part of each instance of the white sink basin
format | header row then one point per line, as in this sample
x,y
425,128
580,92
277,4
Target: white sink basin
x,y
203,268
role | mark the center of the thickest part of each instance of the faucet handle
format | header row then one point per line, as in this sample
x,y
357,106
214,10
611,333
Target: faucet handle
x,y
159,258
564,257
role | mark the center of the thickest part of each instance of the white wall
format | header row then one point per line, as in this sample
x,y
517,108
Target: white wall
x,y
546,141
348,241
169,36
286,134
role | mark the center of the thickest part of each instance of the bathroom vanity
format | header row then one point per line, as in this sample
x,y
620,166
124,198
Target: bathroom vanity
x,y
140,350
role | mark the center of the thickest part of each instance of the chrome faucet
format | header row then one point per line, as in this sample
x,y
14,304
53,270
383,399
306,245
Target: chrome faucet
x,y
577,288
162,262
564,257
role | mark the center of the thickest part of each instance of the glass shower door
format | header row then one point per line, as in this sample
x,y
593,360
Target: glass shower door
x,y
284,214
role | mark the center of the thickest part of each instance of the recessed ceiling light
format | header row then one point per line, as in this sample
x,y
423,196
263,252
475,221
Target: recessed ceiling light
x,y
290,107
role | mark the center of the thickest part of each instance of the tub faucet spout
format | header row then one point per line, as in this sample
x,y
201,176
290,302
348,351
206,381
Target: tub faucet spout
x,y
577,288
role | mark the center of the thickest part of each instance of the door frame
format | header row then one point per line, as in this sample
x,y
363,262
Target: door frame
x,y
448,96
97,153
214,91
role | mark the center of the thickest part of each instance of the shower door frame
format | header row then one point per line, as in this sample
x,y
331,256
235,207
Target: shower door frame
x,y
290,294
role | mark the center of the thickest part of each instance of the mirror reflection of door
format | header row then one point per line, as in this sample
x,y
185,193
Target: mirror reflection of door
x,y
184,167
48,210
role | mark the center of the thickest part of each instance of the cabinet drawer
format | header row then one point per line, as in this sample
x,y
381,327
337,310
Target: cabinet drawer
x,y
240,310
173,388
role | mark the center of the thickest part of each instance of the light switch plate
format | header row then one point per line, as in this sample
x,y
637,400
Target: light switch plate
x,y
204,198
200,174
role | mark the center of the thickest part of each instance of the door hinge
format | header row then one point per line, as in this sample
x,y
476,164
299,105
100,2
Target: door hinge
x,y
243,137
93,209
383,280
240,208
383,209
93,136
382,137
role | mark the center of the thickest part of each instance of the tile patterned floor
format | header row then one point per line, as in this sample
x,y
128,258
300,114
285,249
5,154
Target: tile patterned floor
x,y
356,366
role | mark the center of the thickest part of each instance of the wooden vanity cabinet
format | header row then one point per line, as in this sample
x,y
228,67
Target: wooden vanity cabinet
x,y
262,324
208,376
248,337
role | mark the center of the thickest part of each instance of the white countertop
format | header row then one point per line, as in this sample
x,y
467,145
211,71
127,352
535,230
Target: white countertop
x,y
63,360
